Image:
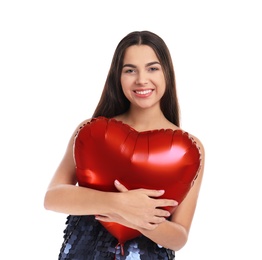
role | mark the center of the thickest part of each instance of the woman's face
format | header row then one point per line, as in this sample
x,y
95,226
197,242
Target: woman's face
x,y
142,77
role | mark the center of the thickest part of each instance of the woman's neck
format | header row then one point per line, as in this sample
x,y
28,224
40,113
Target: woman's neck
x,y
144,120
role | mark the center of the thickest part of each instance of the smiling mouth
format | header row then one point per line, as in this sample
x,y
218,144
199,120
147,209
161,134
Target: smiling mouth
x,y
143,92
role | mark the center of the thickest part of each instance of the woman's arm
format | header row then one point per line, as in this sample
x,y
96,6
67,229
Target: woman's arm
x,y
173,234
138,206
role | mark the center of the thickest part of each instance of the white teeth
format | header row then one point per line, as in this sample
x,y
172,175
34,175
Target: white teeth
x,y
143,92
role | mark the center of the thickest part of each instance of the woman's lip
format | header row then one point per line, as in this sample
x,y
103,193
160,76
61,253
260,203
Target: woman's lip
x,y
143,92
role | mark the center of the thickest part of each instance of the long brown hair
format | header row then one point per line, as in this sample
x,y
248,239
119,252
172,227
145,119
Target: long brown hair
x,y
113,101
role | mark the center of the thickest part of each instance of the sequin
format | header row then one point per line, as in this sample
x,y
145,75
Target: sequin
x,y
86,239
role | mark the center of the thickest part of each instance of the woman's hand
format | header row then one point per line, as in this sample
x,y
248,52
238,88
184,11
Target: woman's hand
x,y
139,208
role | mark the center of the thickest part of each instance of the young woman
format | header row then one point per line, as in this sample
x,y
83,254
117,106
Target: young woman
x,y
139,101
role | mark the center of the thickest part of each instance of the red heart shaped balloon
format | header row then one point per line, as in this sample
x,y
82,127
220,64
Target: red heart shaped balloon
x,y
107,149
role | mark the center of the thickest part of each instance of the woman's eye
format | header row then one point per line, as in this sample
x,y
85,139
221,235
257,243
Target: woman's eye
x,y
153,68
129,71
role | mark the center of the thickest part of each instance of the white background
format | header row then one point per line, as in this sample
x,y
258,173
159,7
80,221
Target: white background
x,y
54,58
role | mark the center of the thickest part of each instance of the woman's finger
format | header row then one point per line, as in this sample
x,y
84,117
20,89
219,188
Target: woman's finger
x,y
119,186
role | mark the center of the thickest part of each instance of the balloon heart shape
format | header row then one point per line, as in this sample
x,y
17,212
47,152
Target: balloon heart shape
x,y
107,149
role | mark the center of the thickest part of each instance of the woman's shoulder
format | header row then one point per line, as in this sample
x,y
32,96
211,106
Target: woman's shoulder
x,y
84,122
81,125
198,143
194,138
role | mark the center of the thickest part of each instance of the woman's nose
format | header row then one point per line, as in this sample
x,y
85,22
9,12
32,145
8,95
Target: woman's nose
x,y
141,79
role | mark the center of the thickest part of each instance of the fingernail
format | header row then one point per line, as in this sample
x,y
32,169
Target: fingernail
x,y
117,182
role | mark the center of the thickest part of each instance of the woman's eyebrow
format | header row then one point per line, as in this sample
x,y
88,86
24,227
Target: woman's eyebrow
x,y
152,63
129,65
147,65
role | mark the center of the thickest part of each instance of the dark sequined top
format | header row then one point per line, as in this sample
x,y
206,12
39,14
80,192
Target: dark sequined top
x,y
86,239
